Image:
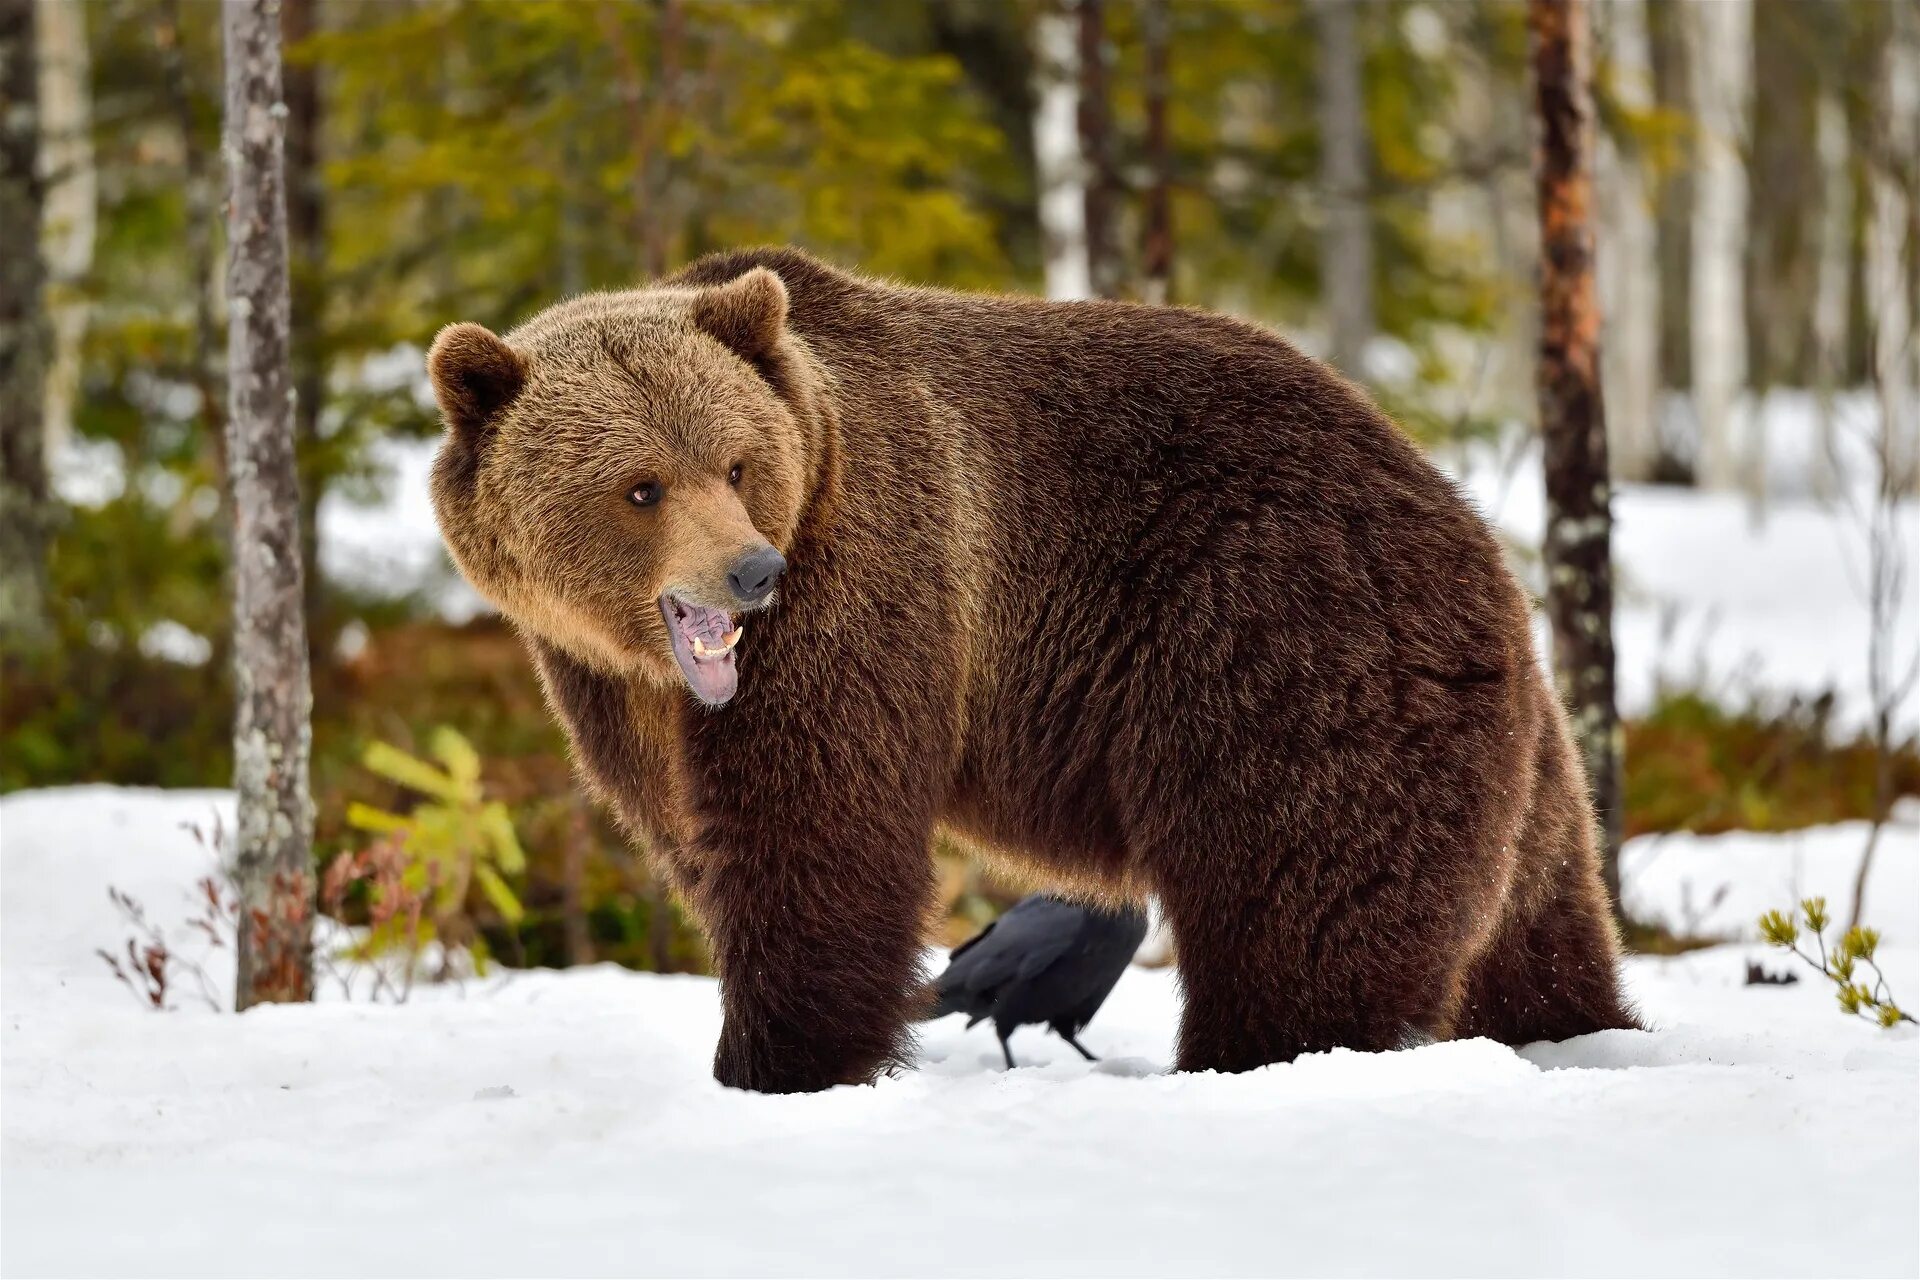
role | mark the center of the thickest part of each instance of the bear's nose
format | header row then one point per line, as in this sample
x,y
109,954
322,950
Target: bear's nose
x,y
753,574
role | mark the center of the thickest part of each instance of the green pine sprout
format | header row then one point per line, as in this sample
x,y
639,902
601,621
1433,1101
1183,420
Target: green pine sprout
x,y
1856,947
1860,943
1778,928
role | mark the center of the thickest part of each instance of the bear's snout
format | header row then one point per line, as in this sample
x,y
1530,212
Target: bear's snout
x,y
754,574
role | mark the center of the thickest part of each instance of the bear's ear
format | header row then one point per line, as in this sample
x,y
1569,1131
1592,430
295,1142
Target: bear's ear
x,y
475,375
747,314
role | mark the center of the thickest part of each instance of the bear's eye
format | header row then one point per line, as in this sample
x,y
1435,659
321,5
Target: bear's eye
x,y
733,476
645,494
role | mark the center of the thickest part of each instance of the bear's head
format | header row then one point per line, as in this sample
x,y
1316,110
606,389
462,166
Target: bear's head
x,y
623,474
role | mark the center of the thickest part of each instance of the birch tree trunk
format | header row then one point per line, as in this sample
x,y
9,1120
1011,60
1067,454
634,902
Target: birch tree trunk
x,y
69,216
307,249
1059,168
1346,238
1886,273
1156,246
197,188
1578,551
1833,279
26,506
1720,60
273,701
1628,259
1096,148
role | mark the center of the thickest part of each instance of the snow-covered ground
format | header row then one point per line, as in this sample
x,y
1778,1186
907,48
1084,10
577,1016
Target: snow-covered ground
x,y
565,1123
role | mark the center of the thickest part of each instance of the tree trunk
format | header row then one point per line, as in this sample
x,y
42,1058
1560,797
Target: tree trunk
x,y
197,187
1886,274
1156,246
307,244
1673,215
273,701
1578,550
71,211
1346,238
26,506
1096,146
671,23
1719,62
1059,169
1628,257
1833,279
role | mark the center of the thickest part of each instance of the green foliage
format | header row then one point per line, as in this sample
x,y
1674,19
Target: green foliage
x,y
514,173
1856,995
103,701
424,863
586,894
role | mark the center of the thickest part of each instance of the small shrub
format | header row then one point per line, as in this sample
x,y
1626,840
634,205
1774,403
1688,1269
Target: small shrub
x,y
416,878
1842,965
151,963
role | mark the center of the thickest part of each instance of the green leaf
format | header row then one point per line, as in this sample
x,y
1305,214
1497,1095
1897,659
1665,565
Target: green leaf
x,y
462,761
499,894
367,818
498,825
410,771
1816,912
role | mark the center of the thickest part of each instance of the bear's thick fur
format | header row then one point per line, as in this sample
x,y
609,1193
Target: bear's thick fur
x,y
1142,598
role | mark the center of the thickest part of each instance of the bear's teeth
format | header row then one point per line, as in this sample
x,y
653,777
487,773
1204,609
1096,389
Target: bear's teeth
x,y
701,649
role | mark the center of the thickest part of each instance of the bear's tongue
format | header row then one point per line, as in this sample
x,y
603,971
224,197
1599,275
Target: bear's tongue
x,y
703,641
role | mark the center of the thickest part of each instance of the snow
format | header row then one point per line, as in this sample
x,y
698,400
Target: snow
x,y
1717,886
566,1123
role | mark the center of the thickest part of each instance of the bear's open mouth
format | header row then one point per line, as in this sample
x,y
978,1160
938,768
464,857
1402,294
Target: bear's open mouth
x,y
703,641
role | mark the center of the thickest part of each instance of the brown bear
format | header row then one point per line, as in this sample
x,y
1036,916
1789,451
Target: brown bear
x,y
814,565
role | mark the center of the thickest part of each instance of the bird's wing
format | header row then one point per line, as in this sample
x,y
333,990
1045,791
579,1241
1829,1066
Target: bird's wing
x,y
1037,932
1032,934
1087,973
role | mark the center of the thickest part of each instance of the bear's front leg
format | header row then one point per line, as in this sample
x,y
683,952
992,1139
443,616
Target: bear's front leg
x,y
818,949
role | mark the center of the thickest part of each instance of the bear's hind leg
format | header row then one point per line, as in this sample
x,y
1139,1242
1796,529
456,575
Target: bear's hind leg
x,y
1552,975
1552,969
1263,983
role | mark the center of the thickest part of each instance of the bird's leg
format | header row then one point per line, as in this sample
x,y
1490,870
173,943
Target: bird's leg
x,y
1082,1049
1005,1051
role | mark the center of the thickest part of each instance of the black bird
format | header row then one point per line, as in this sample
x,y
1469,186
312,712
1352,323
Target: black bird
x,y
1044,961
